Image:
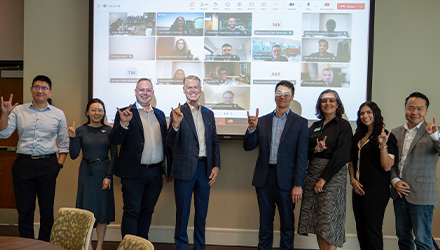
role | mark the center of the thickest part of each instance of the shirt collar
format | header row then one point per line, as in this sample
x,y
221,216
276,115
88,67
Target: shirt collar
x,y
418,126
285,114
194,108
138,106
48,106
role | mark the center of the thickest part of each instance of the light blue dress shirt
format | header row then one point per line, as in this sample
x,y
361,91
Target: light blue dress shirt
x,y
38,129
277,130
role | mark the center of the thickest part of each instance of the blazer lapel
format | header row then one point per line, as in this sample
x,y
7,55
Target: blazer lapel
x,y
137,118
269,128
186,111
417,137
289,122
205,120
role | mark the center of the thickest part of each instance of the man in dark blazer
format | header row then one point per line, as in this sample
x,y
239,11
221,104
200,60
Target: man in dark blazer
x,y
276,55
141,130
283,139
414,178
196,162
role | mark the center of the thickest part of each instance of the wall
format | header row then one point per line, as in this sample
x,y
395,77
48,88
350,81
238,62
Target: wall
x,y
11,29
406,58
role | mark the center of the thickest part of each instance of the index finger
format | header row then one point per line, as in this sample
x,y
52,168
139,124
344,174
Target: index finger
x,y
325,138
424,119
257,112
383,128
73,124
433,119
248,113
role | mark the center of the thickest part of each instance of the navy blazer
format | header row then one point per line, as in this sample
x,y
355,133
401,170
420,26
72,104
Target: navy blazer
x,y
187,144
292,151
128,163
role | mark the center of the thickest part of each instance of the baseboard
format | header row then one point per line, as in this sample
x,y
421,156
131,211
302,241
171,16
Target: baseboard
x,y
237,237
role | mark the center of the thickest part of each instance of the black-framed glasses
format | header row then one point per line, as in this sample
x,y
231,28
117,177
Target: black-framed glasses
x,y
38,87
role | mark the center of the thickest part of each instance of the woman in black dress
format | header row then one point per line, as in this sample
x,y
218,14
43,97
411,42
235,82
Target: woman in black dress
x,y
372,156
323,206
95,192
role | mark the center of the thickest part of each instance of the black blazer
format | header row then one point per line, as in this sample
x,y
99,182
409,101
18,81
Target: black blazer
x,y
128,163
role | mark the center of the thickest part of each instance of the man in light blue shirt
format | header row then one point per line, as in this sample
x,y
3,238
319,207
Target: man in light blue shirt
x,y
36,168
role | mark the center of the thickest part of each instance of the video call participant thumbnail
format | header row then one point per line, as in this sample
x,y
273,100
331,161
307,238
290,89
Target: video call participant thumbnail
x,y
228,102
322,54
227,54
276,55
223,76
181,51
232,28
180,28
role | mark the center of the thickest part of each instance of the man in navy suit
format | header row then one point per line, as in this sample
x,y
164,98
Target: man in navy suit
x,y
196,162
141,130
283,137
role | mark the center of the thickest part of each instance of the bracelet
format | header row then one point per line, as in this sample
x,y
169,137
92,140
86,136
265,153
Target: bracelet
x,y
384,147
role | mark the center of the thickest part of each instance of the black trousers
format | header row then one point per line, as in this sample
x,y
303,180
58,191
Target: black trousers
x,y
369,211
31,179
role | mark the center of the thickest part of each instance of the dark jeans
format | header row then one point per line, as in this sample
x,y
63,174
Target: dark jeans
x,y
31,179
267,196
183,192
415,219
140,196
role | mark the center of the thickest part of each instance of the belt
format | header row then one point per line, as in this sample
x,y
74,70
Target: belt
x,y
203,158
37,157
90,161
149,166
273,166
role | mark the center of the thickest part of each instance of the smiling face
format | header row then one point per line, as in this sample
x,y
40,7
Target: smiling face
x,y
180,75
329,104
144,93
228,98
40,92
192,90
232,23
180,44
283,97
180,21
415,109
95,112
276,52
323,47
366,115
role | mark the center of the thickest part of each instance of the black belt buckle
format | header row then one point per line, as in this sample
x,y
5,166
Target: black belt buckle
x,y
202,158
35,157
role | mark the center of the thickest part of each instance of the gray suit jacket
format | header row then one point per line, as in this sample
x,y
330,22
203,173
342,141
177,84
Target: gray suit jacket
x,y
419,170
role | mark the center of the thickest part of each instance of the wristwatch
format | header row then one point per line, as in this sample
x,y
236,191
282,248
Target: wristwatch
x,y
60,165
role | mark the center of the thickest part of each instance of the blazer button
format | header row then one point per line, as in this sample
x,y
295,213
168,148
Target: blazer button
x,y
142,143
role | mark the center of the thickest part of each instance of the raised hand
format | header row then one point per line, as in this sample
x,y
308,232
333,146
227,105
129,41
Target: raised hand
x,y
71,130
177,116
383,138
7,106
430,127
320,145
252,120
125,116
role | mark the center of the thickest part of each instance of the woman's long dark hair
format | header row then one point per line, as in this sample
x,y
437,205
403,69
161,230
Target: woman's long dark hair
x,y
95,100
362,129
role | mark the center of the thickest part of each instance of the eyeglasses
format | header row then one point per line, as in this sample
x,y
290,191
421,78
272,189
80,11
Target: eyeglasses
x,y
37,88
100,111
285,94
223,73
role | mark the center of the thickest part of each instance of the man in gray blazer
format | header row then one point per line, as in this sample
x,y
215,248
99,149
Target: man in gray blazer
x,y
414,178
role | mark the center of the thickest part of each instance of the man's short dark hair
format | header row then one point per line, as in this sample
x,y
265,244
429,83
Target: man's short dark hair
x,y
418,95
226,45
286,84
42,78
323,41
276,45
220,70
329,69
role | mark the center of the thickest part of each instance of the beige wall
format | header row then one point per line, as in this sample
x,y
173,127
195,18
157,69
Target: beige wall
x,y
405,60
11,29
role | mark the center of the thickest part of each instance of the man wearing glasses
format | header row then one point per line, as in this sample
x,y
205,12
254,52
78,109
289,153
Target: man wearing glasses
x,y
283,138
276,55
223,76
36,168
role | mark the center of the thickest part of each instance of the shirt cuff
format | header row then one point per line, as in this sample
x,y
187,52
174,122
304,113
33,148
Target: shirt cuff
x,y
395,180
435,136
124,127
250,132
175,129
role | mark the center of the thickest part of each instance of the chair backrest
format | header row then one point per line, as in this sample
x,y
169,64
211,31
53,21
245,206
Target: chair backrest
x,y
131,242
72,228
